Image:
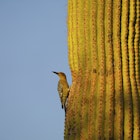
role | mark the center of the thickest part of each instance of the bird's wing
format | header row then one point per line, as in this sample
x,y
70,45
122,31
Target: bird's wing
x,y
60,89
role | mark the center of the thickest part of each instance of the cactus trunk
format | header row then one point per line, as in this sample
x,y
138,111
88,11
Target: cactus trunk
x,y
104,58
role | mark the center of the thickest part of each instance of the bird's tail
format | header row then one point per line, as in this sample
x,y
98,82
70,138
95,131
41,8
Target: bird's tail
x,y
64,107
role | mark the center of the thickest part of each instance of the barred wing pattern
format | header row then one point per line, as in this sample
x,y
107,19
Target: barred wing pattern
x,y
60,91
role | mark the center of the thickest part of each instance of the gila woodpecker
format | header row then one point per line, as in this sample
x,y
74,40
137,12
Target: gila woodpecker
x,y
63,88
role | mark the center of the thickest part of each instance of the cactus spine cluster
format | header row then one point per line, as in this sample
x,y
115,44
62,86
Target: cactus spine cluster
x,y
104,58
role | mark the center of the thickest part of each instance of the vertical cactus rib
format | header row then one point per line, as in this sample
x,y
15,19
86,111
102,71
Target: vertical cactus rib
x,y
69,34
128,116
119,115
135,95
79,33
109,115
70,30
101,70
86,70
87,36
84,108
92,107
137,45
72,39
74,36
93,49
77,106
93,34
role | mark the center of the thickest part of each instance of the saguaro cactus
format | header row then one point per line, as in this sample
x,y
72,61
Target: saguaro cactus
x,y
104,58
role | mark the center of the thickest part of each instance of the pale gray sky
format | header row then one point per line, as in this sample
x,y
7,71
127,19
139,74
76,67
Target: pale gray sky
x,y
33,43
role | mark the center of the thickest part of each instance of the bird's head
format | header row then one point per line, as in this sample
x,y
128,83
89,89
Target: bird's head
x,y
60,74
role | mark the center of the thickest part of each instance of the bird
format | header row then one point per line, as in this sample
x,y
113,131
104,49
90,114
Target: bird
x,y
63,89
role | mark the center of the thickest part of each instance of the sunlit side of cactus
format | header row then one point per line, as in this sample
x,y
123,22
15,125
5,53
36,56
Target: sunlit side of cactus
x,y
104,58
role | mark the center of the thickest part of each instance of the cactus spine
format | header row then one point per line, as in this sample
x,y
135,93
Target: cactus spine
x,y
104,58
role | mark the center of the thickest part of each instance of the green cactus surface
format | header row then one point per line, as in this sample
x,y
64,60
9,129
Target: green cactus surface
x,y
104,58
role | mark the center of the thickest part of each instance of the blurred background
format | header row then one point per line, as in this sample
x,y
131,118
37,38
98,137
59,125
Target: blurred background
x,y
33,43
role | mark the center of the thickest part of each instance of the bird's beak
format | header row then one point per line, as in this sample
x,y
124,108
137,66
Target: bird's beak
x,y
55,72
